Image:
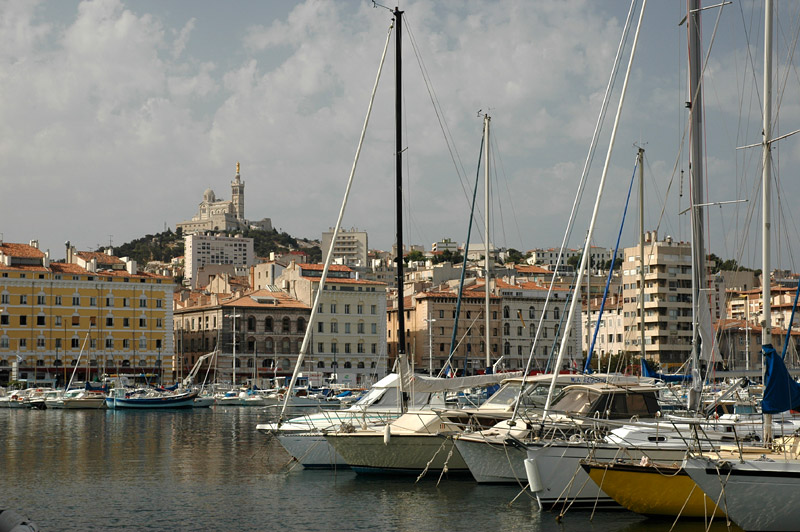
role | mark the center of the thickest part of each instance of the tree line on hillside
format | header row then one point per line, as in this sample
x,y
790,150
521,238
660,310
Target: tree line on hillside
x,y
167,245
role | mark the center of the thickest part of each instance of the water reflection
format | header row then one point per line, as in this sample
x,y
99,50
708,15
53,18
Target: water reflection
x,y
208,469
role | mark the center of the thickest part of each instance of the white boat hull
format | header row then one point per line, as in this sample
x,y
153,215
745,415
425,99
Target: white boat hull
x,y
492,462
404,454
758,494
312,451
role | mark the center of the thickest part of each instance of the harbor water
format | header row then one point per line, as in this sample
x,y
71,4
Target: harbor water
x,y
208,469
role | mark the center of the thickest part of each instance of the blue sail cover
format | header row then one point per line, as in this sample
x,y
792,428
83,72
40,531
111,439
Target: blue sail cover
x,y
781,392
647,372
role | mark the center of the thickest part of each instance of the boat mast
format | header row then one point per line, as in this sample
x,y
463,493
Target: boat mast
x,y
398,116
697,211
487,263
640,162
766,198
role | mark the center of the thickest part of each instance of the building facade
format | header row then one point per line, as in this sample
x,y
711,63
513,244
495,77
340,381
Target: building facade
x,y
201,250
51,312
351,247
215,214
259,334
348,342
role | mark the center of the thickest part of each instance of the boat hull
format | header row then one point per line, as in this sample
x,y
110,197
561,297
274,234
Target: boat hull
x,y
149,403
563,480
312,451
402,455
633,486
759,494
492,462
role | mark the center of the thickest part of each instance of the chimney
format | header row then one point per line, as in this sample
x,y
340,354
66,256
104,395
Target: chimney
x,y
34,244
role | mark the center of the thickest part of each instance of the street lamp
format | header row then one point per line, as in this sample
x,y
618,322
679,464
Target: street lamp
x,y
234,316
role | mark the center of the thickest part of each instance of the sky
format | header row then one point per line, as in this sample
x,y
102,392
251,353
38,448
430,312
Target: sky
x,y
116,115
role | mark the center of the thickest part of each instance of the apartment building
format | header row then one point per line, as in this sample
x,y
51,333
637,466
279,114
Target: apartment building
x,y
94,306
348,342
201,250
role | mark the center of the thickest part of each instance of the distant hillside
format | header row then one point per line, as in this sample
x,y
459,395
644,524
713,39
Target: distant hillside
x,y
168,245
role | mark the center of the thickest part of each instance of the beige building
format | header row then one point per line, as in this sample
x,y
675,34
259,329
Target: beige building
x,y
261,332
350,249
348,342
667,300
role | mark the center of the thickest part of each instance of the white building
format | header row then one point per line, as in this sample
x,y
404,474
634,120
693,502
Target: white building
x,y
350,248
201,250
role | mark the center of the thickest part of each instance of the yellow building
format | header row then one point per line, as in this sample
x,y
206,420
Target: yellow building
x,y
95,302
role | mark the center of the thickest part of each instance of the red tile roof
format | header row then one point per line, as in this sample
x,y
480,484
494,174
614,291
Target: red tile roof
x,y
21,251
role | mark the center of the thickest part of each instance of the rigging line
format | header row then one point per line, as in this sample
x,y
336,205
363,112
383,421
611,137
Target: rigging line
x,y
654,182
455,157
497,209
505,177
790,56
323,277
581,185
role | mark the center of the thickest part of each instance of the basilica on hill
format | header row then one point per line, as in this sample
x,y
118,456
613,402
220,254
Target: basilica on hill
x,y
223,215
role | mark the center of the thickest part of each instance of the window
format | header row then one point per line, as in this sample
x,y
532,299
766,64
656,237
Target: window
x,y
40,321
76,301
74,344
347,308
360,347
268,324
126,302
361,328
109,321
287,324
143,322
109,343
40,300
348,364
347,348
40,345
158,303
334,347
506,312
109,301
506,329
360,308
320,326
320,364
251,323
3,319
142,303
333,308
23,300
126,344
334,327
126,322
4,299
320,349
159,323
301,325
373,350
555,313
23,343
58,321
373,309
23,320
347,328
92,301
142,343
374,328
4,343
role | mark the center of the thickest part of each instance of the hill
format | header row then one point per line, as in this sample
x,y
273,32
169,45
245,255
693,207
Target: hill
x,y
167,245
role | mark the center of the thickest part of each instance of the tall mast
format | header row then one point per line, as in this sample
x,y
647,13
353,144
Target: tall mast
x,y
398,115
640,162
696,177
487,263
766,190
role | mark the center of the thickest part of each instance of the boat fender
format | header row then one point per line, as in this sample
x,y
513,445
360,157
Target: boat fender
x,y
387,434
532,471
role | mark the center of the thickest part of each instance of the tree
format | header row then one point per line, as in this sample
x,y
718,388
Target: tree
x,y
414,256
513,255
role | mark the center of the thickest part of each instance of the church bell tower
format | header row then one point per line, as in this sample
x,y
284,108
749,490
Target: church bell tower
x,y
237,195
